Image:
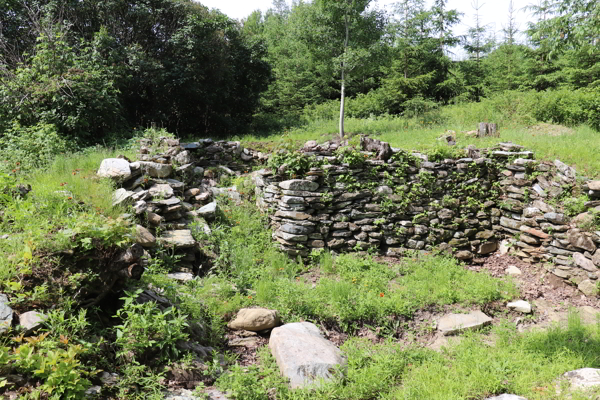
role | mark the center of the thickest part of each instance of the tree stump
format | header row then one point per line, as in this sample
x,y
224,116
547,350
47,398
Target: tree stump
x,y
487,129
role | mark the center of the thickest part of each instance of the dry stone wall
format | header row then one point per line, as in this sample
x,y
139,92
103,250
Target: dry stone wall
x,y
173,190
467,206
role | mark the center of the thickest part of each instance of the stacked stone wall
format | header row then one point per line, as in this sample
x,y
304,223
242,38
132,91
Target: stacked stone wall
x,y
467,206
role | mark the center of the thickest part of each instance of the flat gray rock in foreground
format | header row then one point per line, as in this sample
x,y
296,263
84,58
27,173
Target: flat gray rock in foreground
x,y
454,323
583,378
303,355
507,397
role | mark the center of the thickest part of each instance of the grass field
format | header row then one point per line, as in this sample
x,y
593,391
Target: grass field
x,y
578,146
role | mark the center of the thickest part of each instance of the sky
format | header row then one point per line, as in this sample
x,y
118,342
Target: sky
x,y
494,13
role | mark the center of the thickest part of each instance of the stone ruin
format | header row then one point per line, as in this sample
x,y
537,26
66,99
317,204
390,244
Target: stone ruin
x,y
173,190
466,206
393,201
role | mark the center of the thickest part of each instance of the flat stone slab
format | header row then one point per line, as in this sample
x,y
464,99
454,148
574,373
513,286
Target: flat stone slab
x,y
455,323
209,211
303,355
584,378
181,276
506,397
180,238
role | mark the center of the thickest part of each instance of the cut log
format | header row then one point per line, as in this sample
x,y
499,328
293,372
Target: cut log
x,y
134,271
487,129
383,149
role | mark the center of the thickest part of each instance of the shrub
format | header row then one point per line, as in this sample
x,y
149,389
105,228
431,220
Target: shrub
x,y
29,147
147,331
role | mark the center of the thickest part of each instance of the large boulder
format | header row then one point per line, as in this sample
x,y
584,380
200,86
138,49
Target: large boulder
x,y
115,168
254,319
303,355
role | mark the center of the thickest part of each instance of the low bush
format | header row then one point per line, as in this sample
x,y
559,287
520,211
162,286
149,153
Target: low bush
x,y
25,148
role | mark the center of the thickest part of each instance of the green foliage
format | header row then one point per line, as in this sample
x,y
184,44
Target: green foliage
x,y
575,205
147,332
26,148
296,163
55,364
139,382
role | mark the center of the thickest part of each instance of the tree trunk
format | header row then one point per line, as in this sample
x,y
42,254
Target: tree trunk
x,y
493,130
343,99
343,88
482,130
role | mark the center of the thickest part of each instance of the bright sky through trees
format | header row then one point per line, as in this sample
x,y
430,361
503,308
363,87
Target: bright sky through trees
x,y
494,12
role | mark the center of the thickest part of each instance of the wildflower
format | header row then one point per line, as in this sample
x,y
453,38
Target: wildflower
x,y
74,173
381,295
18,163
281,269
14,170
69,198
250,297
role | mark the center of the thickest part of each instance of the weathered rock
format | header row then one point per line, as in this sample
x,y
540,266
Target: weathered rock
x,y
296,229
594,185
115,168
521,306
582,379
181,276
178,238
588,287
454,323
512,270
6,314
581,240
183,158
303,355
154,219
506,397
567,171
585,263
298,184
291,237
156,170
555,218
144,237
464,255
292,215
510,223
255,319
140,206
487,248
161,190
534,232
200,225
31,321
122,196
209,211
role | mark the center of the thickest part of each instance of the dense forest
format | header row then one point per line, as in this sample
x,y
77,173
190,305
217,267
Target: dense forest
x,y
93,71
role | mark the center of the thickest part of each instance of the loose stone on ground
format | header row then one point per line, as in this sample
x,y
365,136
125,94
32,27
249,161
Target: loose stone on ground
x,y
303,355
254,319
455,323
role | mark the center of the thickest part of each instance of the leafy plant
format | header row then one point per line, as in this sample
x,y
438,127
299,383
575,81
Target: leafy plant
x,y
147,332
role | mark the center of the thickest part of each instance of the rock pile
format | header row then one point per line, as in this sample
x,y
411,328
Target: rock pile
x,y
172,190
